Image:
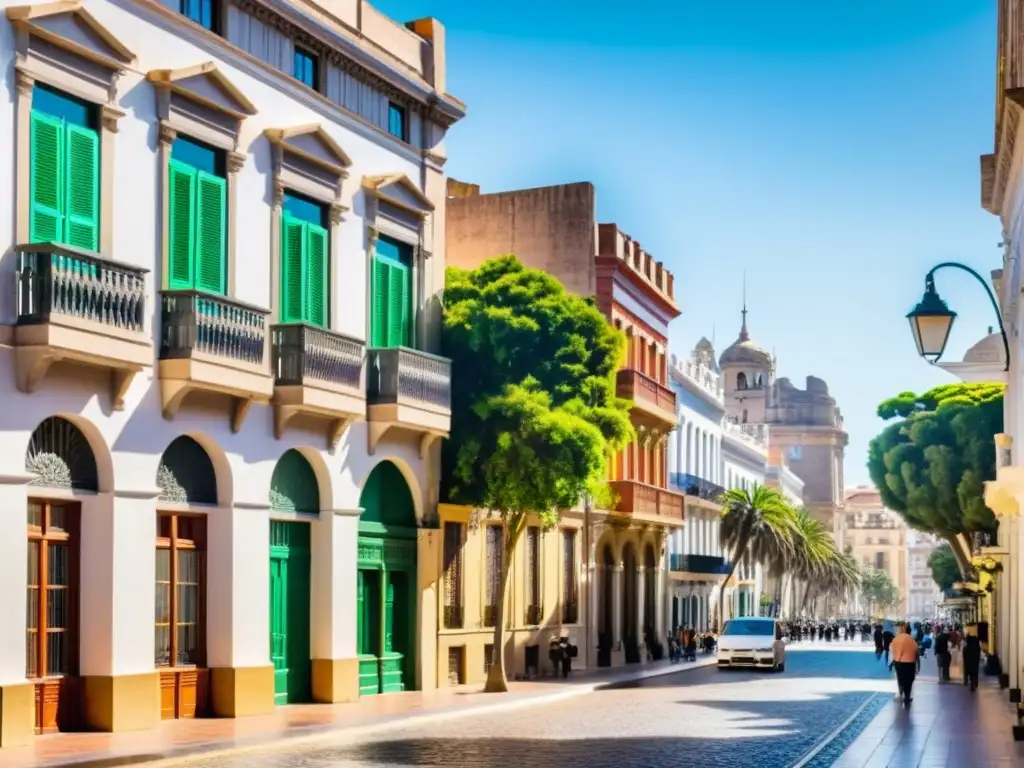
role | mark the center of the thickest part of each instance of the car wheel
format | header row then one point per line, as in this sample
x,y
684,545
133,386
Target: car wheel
x,y
782,667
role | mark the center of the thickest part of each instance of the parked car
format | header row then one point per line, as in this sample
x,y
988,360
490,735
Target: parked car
x,y
752,642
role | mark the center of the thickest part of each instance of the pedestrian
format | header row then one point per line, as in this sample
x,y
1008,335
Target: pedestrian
x,y
904,659
942,655
971,656
888,634
879,642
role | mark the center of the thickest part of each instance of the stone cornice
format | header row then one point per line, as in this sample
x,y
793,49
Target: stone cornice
x,y
430,105
1005,147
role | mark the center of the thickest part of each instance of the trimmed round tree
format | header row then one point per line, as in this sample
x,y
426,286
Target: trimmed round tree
x,y
930,464
534,411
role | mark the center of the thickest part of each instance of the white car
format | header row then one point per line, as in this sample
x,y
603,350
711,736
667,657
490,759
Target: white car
x,y
752,642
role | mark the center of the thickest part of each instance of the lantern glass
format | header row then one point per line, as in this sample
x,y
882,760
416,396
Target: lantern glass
x,y
930,322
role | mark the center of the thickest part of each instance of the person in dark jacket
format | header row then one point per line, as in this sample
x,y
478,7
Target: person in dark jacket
x,y
942,655
972,656
887,637
878,641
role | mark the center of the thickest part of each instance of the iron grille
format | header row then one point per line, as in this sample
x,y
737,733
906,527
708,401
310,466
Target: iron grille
x,y
453,575
456,665
569,586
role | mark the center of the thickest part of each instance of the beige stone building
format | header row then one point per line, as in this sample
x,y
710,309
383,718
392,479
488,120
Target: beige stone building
x,y
876,537
923,594
620,568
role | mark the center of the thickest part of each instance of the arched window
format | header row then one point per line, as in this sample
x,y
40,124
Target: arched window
x,y
60,456
759,381
741,380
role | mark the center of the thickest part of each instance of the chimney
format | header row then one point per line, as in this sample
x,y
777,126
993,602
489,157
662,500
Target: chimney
x,y
432,31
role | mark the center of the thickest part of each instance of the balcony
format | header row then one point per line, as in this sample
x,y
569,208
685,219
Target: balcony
x,y
212,345
698,487
319,374
408,390
708,564
534,613
648,502
654,405
454,616
76,307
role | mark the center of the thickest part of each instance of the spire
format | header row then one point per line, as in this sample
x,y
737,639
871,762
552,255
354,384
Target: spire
x,y
744,336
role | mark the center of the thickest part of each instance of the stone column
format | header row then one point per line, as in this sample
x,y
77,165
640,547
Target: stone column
x,y
17,697
660,606
593,610
1014,661
120,684
617,606
641,602
238,610
335,667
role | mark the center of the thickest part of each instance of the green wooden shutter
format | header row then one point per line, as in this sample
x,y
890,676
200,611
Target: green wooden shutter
x,y
293,235
211,227
379,304
46,212
316,275
361,646
389,616
182,229
82,155
398,306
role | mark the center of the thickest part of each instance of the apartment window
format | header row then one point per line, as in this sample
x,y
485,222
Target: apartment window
x,y
307,68
396,121
796,452
202,12
392,302
492,573
197,234
569,586
179,613
305,279
533,575
453,575
64,160
880,560
52,616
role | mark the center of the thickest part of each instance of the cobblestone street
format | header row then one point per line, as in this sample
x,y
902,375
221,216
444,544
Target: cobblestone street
x,y
697,718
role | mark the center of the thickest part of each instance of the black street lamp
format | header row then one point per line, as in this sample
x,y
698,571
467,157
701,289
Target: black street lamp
x,y
931,320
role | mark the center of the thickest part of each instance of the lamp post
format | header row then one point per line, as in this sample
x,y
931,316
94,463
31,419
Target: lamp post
x,y
932,320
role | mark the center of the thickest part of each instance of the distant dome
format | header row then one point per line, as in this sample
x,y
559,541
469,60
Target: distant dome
x,y
988,350
745,352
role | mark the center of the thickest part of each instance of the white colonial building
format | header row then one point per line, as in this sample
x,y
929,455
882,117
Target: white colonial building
x,y
220,285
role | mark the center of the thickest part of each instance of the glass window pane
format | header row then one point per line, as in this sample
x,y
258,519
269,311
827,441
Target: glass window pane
x,y
393,250
396,121
199,156
58,518
299,207
61,105
35,514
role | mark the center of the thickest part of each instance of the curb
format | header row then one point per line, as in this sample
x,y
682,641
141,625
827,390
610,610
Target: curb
x,y
178,755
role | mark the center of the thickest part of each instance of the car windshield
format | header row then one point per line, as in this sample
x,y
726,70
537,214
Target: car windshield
x,y
749,627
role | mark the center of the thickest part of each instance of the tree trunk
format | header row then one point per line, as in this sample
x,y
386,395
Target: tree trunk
x,y
963,559
737,557
496,682
807,593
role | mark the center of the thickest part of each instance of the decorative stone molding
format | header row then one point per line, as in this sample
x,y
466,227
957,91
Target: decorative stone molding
x,y
338,212
24,82
167,133
109,117
235,162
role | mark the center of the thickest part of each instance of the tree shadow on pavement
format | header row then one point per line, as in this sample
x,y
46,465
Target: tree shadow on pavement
x,y
701,733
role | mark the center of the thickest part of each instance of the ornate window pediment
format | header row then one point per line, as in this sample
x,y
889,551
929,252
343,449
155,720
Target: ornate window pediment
x,y
69,26
206,85
313,144
398,190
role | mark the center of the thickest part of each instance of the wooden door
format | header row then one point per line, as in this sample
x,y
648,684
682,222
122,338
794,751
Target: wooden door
x,y
289,611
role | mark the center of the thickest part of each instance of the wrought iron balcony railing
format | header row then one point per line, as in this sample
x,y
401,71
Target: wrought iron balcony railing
x,y
453,617
56,279
533,615
193,322
570,612
692,485
408,376
304,353
490,615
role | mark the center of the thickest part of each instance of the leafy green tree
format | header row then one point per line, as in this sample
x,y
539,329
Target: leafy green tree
x,y
535,414
878,591
944,567
931,462
758,526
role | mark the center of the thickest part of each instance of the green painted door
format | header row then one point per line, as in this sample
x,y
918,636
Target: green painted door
x,y
289,611
368,630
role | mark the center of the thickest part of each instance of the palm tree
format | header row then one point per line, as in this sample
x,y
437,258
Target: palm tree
x,y
814,548
757,525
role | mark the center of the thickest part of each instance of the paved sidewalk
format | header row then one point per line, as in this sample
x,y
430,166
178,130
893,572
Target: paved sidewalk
x,y
182,738
946,725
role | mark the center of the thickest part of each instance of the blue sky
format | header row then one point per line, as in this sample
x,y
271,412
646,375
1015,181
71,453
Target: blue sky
x,y
828,150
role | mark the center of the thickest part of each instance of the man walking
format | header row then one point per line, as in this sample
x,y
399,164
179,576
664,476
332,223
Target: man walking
x,y
904,659
942,655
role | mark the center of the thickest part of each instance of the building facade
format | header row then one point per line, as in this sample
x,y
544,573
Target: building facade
x,y
877,538
555,229
221,276
923,595
696,563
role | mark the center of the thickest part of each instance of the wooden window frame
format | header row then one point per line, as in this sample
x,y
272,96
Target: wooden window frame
x,y
71,536
174,544
453,608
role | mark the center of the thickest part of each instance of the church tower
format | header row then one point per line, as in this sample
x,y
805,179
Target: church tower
x,y
748,372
